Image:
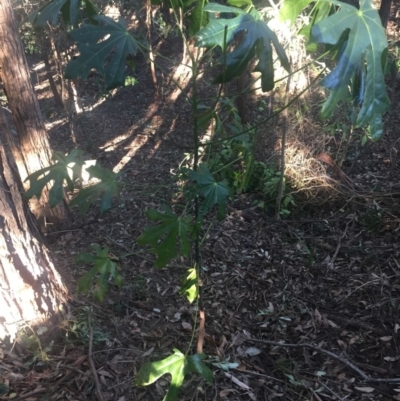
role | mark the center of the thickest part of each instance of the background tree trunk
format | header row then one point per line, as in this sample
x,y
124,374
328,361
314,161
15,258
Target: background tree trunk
x,y
384,11
33,140
31,290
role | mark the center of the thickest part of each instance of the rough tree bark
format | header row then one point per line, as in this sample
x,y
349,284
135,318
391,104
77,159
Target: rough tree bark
x,y
31,290
34,147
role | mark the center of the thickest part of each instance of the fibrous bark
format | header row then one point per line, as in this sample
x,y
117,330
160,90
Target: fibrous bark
x,y
31,290
34,147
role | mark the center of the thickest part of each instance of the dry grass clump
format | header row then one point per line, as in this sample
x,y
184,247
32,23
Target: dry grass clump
x,y
306,175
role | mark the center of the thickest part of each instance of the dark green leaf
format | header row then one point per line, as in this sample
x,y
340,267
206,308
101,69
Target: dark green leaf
x,y
103,47
69,8
105,189
85,281
215,193
256,41
163,237
55,175
197,18
104,267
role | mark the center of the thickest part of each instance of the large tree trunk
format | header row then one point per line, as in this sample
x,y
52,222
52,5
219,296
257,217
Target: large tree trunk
x,y
31,290
34,147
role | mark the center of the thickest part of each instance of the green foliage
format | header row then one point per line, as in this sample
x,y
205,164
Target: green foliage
x,y
105,189
256,41
291,9
77,329
178,366
363,51
70,10
214,193
103,266
163,238
103,47
234,161
3,389
270,187
57,173
31,341
198,16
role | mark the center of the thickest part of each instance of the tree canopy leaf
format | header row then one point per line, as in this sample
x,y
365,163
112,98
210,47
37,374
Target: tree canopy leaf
x,y
363,49
69,11
103,47
256,41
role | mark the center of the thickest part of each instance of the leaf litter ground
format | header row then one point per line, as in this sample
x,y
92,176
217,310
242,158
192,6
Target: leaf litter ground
x,y
326,278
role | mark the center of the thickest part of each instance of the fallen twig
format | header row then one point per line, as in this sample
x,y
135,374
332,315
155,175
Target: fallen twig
x,y
349,364
91,362
339,244
355,323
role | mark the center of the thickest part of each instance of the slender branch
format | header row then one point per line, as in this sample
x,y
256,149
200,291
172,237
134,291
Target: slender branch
x,y
349,364
283,146
91,362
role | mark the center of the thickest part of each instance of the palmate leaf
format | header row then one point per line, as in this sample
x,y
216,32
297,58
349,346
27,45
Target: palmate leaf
x,y
106,189
178,366
256,41
103,266
69,10
214,193
103,47
163,237
55,174
366,44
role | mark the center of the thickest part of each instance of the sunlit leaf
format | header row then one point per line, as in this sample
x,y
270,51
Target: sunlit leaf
x,y
189,287
178,366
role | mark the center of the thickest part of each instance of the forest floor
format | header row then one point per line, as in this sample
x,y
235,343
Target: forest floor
x,y
325,280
